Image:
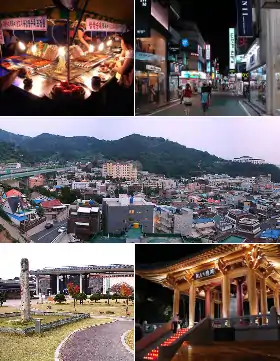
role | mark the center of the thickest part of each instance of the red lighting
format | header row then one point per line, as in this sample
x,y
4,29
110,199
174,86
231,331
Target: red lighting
x,y
153,355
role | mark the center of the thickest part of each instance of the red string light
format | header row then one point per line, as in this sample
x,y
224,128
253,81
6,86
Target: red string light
x,y
153,355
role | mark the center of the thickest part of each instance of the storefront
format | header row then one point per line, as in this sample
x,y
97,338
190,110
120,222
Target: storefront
x,y
174,76
151,70
194,78
258,86
257,75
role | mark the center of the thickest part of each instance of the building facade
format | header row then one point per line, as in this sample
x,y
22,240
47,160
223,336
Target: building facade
x,y
224,277
119,170
119,214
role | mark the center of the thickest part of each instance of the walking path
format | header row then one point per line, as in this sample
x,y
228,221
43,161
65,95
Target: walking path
x,y
100,343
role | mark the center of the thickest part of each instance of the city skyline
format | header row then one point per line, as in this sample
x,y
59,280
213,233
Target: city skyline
x,y
225,138
52,256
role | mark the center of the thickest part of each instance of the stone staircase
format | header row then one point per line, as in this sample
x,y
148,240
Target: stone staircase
x,y
167,340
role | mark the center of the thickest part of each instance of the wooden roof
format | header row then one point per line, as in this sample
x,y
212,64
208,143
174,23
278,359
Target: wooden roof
x,y
178,273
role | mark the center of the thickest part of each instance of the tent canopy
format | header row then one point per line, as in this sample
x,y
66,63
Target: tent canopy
x,y
123,11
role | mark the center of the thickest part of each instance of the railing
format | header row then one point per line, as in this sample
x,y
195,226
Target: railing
x,y
246,321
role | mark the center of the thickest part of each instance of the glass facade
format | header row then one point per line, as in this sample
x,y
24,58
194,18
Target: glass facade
x,y
151,70
258,86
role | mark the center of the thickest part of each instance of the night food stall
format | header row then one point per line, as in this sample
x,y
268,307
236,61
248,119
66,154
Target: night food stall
x,y
79,79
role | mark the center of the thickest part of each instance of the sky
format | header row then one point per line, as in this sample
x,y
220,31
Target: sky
x,y
154,253
214,18
225,137
58,255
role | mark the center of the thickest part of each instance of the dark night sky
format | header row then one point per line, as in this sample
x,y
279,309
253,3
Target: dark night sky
x,y
154,253
213,18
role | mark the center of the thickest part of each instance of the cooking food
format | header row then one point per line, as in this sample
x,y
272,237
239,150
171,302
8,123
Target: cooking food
x,y
51,53
35,62
76,52
104,69
65,91
61,75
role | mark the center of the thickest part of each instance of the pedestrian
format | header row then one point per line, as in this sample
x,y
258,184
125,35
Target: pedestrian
x,y
210,93
187,96
204,98
175,320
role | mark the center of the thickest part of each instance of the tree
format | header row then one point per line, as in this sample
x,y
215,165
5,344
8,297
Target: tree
x,y
126,291
60,297
73,291
3,298
81,297
122,290
108,295
40,211
95,297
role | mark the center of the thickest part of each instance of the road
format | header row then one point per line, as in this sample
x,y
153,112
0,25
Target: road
x,y
48,235
222,104
101,343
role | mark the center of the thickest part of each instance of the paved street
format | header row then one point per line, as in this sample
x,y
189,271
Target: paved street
x,y
222,104
48,235
101,343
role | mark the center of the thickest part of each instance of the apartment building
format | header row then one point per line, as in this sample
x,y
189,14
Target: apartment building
x,y
36,181
119,170
172,220
80,185
119,214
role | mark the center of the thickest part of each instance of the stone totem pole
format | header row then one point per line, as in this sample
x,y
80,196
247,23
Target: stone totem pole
x,y
24,290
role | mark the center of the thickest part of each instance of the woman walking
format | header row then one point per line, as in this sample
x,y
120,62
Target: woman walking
x,y
187,96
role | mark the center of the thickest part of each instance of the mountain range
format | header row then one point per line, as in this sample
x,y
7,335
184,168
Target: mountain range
x,y
157,155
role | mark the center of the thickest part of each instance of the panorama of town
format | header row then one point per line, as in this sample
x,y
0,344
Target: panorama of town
x,y
116,202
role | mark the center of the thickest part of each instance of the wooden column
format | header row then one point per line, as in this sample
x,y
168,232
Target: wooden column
x,y
252,292
263,295
192,304
225,296
176,302
276,300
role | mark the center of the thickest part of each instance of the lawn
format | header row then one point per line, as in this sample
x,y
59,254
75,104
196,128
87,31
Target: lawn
x,y
129,339
7,309
15,322
96,309
39,347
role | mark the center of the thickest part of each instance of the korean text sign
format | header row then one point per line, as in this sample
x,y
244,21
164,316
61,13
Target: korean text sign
x,y
100,25
36,23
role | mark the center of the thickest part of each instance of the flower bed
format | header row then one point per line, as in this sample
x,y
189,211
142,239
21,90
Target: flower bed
x,y
69,318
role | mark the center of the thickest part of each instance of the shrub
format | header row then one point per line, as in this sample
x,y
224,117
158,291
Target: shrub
x,y
60,297
81,297
95,297
3,298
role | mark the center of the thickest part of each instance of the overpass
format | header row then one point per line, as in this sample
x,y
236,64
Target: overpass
x,y
60,275
19,174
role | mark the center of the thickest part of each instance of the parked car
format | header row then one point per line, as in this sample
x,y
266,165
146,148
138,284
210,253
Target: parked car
x,y
61,230
48,225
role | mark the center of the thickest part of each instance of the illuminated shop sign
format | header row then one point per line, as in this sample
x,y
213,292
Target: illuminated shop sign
x,y
193,74
142,25
245,18
240,59
194,54
208,52
203,274
174,49
156,69
148,57
199,50
185,43
208,66
245,76
231,48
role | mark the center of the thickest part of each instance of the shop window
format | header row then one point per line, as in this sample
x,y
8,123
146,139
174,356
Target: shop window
x,y
131,211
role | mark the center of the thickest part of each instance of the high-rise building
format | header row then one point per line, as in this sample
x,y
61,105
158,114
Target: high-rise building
x,y
119,170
